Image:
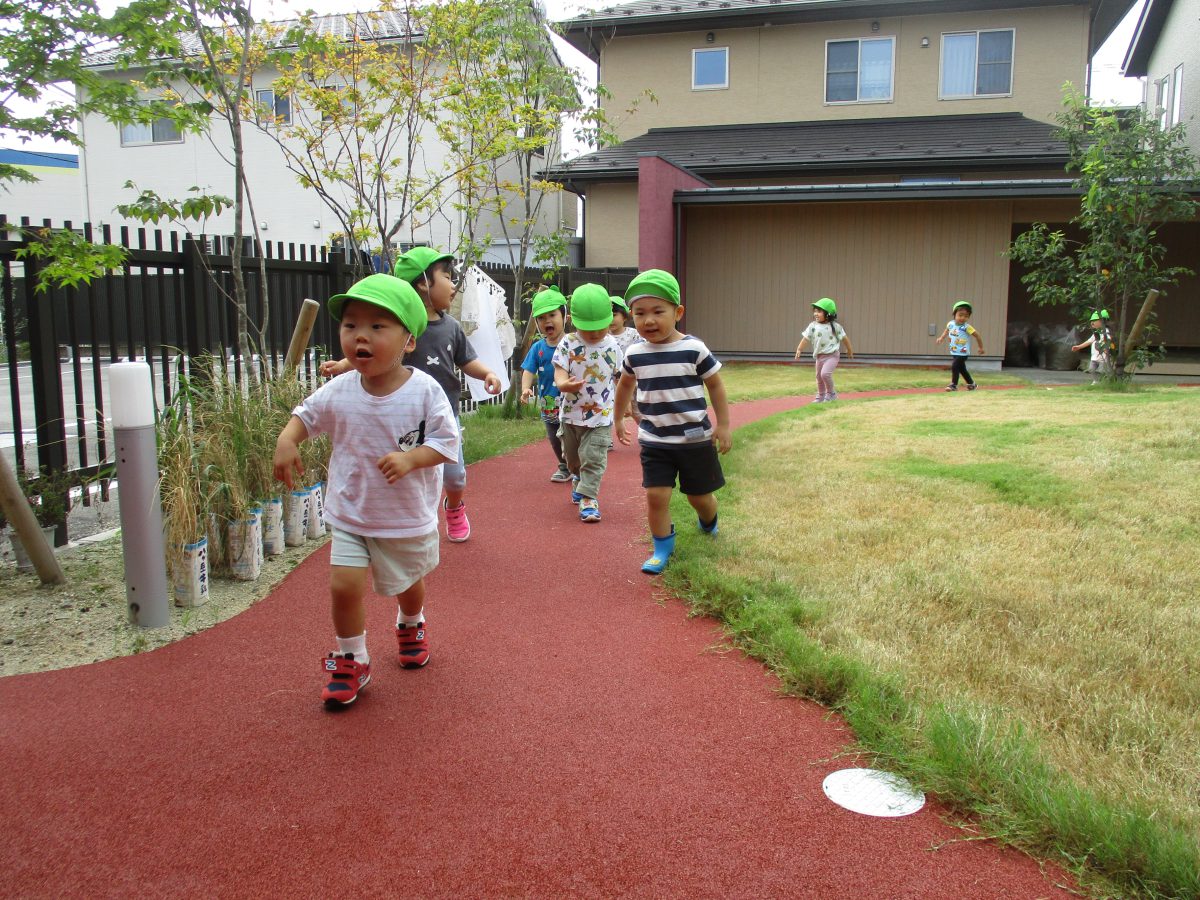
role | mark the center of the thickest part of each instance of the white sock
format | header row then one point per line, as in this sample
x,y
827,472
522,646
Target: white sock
x,y
403,619
356,645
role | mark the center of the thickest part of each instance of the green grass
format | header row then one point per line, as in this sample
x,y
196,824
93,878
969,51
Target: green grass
x,y
998,594
760,381
486,433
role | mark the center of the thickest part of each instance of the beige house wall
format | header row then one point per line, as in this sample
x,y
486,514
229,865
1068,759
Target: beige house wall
x,y
610,225
895,269
777,73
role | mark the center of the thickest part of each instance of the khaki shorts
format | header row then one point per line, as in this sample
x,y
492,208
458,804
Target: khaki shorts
x,y
396,563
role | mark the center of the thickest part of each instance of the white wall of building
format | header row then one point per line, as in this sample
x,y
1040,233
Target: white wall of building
x,y
56,195
1175,62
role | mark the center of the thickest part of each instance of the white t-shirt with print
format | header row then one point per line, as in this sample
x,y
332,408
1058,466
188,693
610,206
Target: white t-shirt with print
x,y
364,428
596,364
825,337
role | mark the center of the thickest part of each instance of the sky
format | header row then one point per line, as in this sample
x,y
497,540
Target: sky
x,y
1107,83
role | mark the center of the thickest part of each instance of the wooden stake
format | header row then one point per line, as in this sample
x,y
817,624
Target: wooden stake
x,y
1139,324
301,334
21,517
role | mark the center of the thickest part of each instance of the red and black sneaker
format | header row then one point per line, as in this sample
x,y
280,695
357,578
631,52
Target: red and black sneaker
x,y
414,645
346,677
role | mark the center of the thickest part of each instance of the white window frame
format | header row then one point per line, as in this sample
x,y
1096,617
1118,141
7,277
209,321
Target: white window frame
x,y
710,87
975,95
260,103
890,39
1162,102
128,142
1177,95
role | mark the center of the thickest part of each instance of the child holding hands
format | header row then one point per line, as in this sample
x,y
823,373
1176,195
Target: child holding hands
x,y
392,430
669,372
549,314
826,337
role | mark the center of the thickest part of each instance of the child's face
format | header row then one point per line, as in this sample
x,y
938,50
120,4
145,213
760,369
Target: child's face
x,y
819,315
373,340
961,315
550,325
593,337
618,322
1095,324
655,318
437,287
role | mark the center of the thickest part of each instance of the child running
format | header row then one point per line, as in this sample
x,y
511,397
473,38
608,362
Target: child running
x,y
625,336
549,314
584,363
440,349
1101,344
392,429
669,372
826,337
960,333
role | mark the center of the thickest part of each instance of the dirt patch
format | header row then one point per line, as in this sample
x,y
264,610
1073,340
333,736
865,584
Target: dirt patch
x,y
46,627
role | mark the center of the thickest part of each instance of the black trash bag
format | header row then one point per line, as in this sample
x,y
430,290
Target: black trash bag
x,y
1054,351
1019,345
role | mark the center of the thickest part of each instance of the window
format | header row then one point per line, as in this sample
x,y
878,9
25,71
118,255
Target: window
x,y
859,71
269,105
347,100
1162,100
1177,96
160,131
710,69
977,64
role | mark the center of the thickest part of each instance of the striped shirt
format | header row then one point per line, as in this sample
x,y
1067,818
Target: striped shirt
x,y
670,390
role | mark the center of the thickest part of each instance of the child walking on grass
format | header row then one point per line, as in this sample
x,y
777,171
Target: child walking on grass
x,y
441,351
669,372
584,363
826,337
1101,343
549,314
960,332
392,429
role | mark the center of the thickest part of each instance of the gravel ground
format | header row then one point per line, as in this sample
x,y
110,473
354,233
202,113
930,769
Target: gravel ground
x,y
46,627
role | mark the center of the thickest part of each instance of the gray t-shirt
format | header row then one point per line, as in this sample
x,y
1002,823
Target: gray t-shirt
x,y
440,349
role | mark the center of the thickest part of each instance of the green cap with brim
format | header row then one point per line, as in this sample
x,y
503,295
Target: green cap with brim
x,y
591,309
619,303
962,304
398,297
826,306
413,264
1096,317
548,300
653,283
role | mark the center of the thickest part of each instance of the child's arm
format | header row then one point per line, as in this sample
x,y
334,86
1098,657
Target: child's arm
x,y
720,405
623,404
477,369
1085,344
526,385
978,341
565,383
941,337
332,367
287,451
846,341
801,347
398,463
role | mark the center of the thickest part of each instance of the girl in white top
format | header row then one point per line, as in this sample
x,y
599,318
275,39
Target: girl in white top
x,y
826,337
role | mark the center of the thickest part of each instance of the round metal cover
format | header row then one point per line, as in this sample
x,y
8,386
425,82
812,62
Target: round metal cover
x,y
873,793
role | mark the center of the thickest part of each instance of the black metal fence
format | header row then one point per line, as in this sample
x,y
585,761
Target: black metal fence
x,y
169,303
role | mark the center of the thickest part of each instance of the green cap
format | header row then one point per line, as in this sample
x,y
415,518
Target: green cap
x,y
1104,313
413,264
396,296
653,283
619,303
591,310
827,306
548,300
962,304
1096,317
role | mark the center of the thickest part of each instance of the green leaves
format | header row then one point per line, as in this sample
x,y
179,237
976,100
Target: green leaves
x,y
153,208
67,258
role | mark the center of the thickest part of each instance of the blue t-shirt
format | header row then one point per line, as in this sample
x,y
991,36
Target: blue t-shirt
x,y
540,361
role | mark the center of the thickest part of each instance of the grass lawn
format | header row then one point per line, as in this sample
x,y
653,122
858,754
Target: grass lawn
x,y
757,381
999,590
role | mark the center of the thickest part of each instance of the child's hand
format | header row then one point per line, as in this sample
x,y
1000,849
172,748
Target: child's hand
x,y
622,434
724,438
395,466
491,383
527,395
940,338
332,367
1075,348
287,459
798,352
571,386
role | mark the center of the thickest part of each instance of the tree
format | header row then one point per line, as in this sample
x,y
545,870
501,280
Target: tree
x,y
1133,177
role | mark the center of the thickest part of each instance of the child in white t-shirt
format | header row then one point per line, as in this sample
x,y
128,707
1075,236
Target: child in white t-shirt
x,y
1101,344
826,337
392,429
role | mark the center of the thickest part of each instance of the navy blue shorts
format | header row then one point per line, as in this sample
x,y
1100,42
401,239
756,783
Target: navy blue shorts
x,y
697,466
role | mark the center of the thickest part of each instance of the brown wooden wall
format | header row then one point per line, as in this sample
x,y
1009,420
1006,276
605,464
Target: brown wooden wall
x,y
894,269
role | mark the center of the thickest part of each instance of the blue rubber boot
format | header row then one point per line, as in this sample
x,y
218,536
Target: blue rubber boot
x,y
710,528
663,548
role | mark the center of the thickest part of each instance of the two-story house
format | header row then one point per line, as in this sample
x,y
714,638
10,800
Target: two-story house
x,y
158,157
880,152
1165,52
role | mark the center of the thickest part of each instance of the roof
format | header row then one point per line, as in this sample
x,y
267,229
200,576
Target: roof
x,y
38,158
663,16
1145,37
378,25
986,140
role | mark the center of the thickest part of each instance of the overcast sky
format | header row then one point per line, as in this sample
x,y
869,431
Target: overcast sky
x,y
1107,83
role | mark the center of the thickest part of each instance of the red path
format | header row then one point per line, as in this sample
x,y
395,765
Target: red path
x,y
574,734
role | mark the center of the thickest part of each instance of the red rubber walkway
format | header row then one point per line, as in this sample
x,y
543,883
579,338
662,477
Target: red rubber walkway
x,y
574,735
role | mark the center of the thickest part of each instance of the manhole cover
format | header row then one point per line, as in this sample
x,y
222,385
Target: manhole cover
x,y
873,793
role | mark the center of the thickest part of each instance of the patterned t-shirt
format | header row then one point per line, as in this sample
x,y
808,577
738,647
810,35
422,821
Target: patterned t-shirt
x,y
364,428
670,390
825,337
540,361
959,337
595,364
442,348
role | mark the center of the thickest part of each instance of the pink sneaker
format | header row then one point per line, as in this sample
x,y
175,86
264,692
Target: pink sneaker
x,y
458,529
